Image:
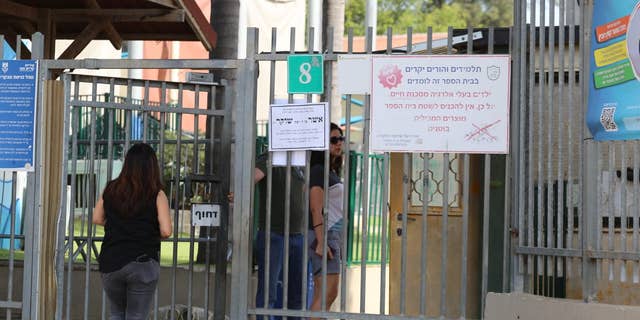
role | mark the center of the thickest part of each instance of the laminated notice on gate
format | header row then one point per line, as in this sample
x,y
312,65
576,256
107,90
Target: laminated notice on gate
x,y
205,214
440,103
302,126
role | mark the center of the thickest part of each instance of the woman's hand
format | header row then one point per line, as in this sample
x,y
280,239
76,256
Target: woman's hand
x,y
319,249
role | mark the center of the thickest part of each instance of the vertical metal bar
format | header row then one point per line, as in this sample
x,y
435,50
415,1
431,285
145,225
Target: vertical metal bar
x,y
635,207
305,219
623,209
91,196
599,217
384,236
110,125
591,221
549,122
196,130
346,171
425,229
2,48
18,47
540,130
207,271
583,40
128,115
485,223
531,242
325,205
506,234
225,124
445,211
365,193
267,233
12,235
327,159
512,214
425,212
145,120
176,216
406,179
272,63
287,230
513,263
611,151
571,241
587,153
445,235
465,207
560,234
74,165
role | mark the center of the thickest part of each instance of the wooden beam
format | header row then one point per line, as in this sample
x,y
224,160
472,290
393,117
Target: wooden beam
x,y
199,24
82,40
165,3
119,15
18,10
113,36
11,37
134,35
47,27
22,26
110,31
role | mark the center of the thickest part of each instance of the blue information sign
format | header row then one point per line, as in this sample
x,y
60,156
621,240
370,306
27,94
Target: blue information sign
x,y
18,84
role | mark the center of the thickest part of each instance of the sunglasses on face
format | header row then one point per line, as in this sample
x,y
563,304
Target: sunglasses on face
x,y
335,140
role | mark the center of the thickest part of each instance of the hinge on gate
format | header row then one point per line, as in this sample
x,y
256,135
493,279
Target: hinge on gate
x,y
514,232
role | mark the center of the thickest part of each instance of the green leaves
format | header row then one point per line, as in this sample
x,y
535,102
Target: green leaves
x,y
438,14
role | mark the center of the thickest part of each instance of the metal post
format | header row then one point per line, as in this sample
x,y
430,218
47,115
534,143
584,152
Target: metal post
x,y
589,221
243,178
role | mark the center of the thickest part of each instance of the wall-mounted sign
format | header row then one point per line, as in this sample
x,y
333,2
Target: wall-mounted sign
x,y
440,103
18,88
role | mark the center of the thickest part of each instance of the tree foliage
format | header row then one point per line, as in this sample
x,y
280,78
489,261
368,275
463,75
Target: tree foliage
x,y
438,14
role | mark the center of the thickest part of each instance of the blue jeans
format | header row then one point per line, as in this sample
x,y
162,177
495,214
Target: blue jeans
x,y
130,290
276,269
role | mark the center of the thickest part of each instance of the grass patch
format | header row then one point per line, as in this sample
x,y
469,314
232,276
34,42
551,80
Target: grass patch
x,y
80,230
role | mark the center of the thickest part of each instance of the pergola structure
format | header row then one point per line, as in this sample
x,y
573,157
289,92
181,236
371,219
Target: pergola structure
x,y
113,20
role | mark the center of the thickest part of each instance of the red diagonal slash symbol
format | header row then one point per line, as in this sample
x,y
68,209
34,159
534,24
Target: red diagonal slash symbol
x,y
483,130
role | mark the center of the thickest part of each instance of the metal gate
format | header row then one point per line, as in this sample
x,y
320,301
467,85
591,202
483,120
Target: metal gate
x,y
574,223
189,124
451,199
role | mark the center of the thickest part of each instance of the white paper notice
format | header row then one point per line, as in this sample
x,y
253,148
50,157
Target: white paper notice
x,y
299,127
354,74
298,158
457,104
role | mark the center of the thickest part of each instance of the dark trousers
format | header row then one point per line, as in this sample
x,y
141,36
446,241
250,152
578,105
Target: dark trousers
x,y
276,269
130,290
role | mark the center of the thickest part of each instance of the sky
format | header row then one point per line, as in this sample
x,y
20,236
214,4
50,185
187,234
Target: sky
x,y
547,12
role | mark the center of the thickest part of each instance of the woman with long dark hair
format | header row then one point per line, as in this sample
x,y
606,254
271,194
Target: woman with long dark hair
x,y
333,224
134,211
